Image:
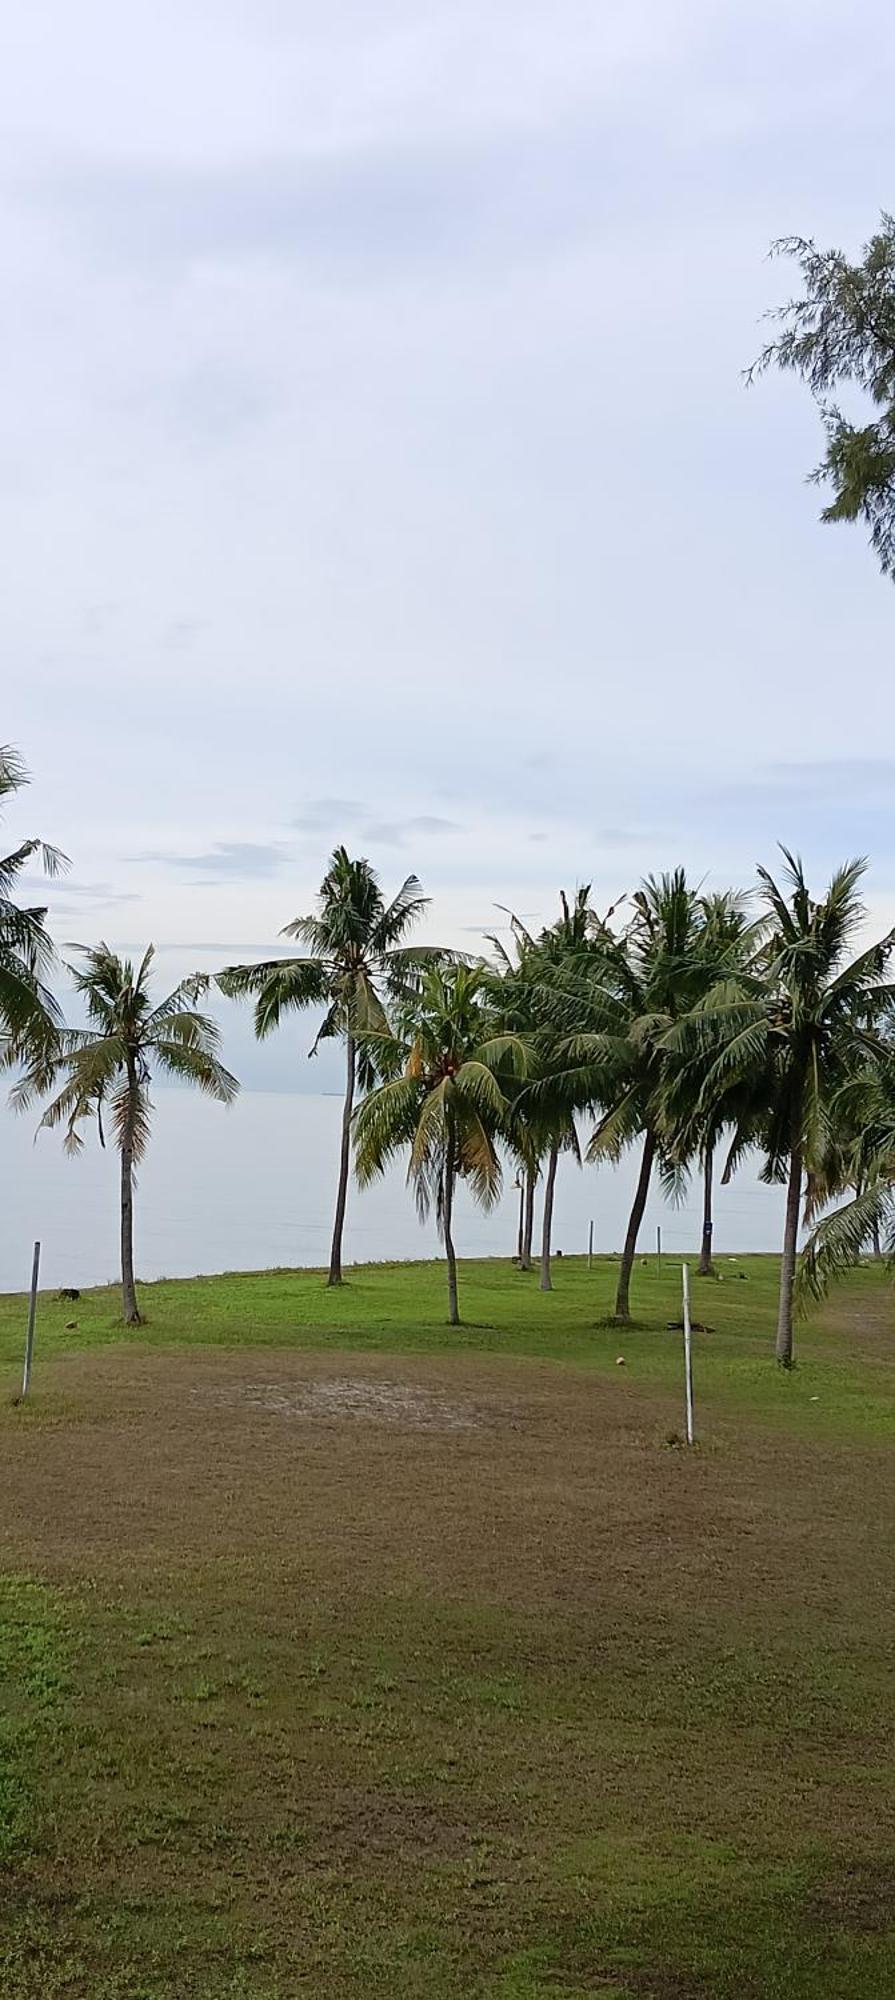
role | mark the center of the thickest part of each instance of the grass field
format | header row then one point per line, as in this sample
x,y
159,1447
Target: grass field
x,y
344,1655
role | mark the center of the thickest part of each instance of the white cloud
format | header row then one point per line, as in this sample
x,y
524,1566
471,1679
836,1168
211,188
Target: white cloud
x,y
374,457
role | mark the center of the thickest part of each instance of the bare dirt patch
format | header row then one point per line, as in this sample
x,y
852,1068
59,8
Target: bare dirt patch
x,y
467,1474
398,1405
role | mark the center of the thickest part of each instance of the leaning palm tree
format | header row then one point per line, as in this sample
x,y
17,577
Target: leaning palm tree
x,y
789,1033
29,1015
354,960
445,1063
109,1065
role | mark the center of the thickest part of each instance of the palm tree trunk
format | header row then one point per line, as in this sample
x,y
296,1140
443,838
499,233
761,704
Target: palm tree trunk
x,y
335,1255
788,1261
129,1306
622,1308
528,1226
706,1267
546,1282
520,1183
877,1248
447,1219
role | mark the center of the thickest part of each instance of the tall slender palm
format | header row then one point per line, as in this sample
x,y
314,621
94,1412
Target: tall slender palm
x,y
29,1015
543,1105
727,942
617,997
443,1099
509,986
790,1032
555,1093
110,1065
354,960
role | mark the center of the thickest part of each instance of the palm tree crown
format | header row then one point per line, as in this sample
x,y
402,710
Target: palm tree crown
x,y
614,1001
108,1066
353,957
29,1014
543,1103
442,1100
127,1039
728,940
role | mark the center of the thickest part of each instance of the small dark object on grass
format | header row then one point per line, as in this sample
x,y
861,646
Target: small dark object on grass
x,y
71,1326
69,1292
696,1326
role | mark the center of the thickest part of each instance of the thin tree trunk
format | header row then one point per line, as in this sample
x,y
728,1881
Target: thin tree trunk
x,y
129,1306
448,1213
706,1267
546,1282
520,1183
528,1226
622,1307
335,1255
788,1261
877,1248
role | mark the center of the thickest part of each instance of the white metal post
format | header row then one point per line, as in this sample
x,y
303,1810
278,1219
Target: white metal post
x,y
32,1312
688,1354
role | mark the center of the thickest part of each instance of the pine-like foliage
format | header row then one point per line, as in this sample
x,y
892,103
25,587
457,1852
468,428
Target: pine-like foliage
x,y
840,334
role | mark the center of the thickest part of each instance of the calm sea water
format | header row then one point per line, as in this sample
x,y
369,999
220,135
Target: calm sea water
x,y
253,1186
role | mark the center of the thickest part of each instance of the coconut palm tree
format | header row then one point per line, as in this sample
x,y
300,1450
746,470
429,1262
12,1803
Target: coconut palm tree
x,y
861,1158
556,1097
510,988
614,1001
443,1101
29,1015
109,1066
543,1105
354,960
727,942
789,1033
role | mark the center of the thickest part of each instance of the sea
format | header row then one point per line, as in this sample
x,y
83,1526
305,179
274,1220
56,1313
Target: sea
x,y
252,1186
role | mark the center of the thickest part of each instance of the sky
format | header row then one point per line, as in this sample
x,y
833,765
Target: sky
x,y
376,463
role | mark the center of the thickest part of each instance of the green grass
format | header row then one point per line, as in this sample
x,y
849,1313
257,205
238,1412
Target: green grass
x,y
542,1710
34,1646
400,1309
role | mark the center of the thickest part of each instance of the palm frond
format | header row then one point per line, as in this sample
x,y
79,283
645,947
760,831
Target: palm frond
x,y
404,910
477,1086
131,1108
835,1245
194,1062
384,1124
278,987
14,772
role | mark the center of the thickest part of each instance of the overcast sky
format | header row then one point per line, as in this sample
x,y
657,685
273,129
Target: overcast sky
x,y
376,463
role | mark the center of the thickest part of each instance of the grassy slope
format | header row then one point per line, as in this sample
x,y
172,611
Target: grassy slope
x,y
645,1753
